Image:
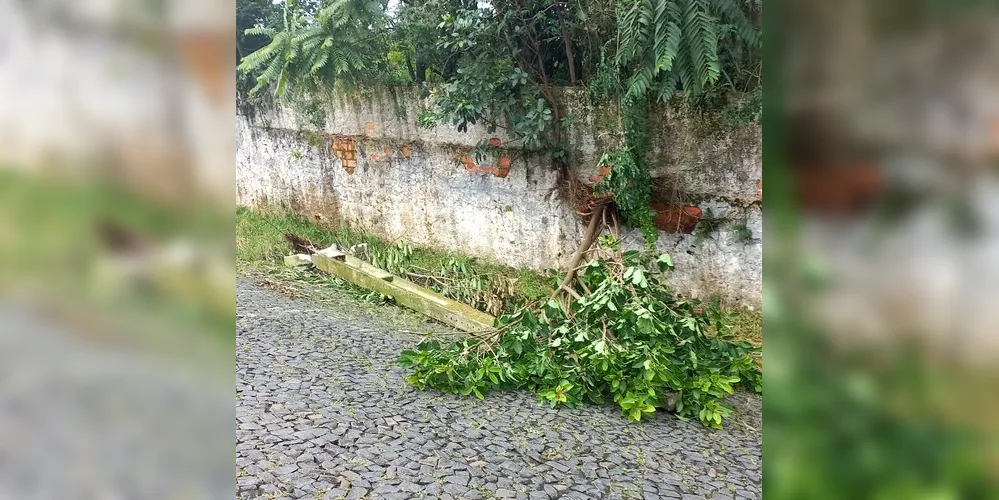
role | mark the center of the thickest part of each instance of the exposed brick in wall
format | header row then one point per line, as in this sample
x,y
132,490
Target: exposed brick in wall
x,y
676,218
671,218
343,148
205,55
501,169
846,189
382,155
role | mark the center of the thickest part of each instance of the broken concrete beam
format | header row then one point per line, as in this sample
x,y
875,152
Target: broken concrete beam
x,y
332,252
407,293
372,270
443,309
297,260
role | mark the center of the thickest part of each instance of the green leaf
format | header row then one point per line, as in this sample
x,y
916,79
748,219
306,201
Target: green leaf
x,y
635,414
282,82
645,325
638,277
665,260
600,346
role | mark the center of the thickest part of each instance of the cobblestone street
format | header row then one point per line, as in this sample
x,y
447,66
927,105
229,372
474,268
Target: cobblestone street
x,y
323,412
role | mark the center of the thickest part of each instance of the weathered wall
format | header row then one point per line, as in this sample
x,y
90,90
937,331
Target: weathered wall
x,y
84,98
370,164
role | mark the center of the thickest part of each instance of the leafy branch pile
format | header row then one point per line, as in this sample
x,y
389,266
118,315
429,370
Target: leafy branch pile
x,y
622,337
610,332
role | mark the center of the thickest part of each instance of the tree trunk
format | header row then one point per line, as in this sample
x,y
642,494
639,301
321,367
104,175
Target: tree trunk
x,y
450,69
409,68
569,57
584,245
240,53
421,71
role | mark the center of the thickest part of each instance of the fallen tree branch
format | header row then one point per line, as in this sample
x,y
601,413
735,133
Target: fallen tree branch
x,y
299,244
428,278
617,227
572,292
584,245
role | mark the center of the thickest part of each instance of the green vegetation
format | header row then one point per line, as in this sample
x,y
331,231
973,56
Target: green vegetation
x,y
629,183
50,243
747,326
487,286
336,43
869,420
627,340
260,243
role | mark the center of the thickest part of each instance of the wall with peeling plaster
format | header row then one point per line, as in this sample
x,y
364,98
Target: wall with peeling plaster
x,y
371,165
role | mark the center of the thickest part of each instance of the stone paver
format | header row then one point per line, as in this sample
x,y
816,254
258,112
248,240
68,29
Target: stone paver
x,y
323,412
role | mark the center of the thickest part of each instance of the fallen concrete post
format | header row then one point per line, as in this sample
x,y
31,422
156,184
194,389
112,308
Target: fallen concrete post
x,y
405,292
332,252
297,260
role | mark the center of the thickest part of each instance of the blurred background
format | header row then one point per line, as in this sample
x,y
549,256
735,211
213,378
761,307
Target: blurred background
x,y
117,253
881,269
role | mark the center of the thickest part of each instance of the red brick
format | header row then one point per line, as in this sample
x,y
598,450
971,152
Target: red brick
x,y
676,218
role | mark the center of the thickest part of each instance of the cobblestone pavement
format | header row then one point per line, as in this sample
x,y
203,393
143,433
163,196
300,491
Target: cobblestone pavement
x,y
323,412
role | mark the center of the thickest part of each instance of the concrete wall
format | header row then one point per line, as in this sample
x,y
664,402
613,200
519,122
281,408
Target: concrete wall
x,y
371,165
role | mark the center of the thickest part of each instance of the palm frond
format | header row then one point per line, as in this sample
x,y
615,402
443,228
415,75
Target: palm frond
x,y
665,44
